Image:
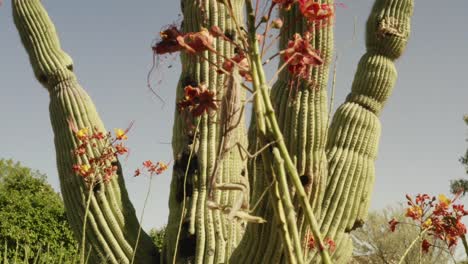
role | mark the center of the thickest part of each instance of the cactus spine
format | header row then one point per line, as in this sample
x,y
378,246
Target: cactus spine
x,y
112,224
207,236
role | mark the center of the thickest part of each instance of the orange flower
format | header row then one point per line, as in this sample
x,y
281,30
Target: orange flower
x,y
162,167
414,212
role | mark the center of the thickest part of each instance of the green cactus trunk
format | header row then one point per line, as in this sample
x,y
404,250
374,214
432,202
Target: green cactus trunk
x,y
336,163
206,235
112,225
355,130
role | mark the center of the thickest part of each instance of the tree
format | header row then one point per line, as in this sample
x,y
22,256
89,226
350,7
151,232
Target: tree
x,y
32,215
461,184
158,236
375,243
317,172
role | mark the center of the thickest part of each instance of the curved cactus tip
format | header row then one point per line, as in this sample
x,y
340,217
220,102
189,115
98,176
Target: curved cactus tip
x,y
388,27
38,35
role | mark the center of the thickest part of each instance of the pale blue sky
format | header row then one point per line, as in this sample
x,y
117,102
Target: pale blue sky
x,y
109,41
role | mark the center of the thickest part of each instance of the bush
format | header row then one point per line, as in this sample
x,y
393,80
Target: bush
x,y
158,235
375,243
32,216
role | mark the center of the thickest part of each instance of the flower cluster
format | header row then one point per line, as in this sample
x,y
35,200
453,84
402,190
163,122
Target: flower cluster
x,y
300,56
104,164
197,100
152,168
239,60
329,243
311,10
441,218
315,12
172,40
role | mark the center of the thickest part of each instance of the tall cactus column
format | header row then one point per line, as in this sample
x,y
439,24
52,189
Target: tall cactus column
x,y
337,163
112,228
355,130
206,234
301,110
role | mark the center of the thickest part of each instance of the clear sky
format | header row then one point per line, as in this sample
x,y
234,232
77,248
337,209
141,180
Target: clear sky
x,y
423,131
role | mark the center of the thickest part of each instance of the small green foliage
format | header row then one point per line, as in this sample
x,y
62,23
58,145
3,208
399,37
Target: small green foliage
x,y
32,216
461,184
158,235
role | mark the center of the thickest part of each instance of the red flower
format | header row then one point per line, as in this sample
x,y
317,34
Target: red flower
x,y
120,149
241,62
311,242
147,164
98,135
393,223
197,100
168,43
331,244
425,246
137,172
300,56
314,11
196,42
172,40
421,198
81,150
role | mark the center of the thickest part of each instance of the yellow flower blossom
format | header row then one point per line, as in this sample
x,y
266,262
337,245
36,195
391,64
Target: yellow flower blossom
x,y
120,134
85,168
444,199
82,133
427,223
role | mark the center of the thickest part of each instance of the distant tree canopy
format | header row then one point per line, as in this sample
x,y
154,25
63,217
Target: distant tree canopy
x,y
32,216
374,243
461,184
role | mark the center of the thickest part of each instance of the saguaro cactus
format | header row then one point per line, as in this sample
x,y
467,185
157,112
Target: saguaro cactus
x,y
112,224
317,173
206,235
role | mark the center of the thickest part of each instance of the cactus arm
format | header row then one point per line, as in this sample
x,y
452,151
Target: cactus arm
x,y
207,235
355,129
112,223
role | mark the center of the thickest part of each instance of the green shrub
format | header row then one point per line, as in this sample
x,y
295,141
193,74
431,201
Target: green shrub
x,y
32,216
